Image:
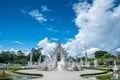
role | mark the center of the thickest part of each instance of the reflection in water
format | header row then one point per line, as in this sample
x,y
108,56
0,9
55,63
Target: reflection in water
x,y
116,76
20,78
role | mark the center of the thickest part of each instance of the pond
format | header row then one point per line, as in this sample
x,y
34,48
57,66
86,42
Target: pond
x,y
21,78
14,77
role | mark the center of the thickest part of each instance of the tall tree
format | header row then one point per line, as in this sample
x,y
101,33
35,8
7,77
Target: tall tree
x,y
22,59
118,57
36,53
5,56
99,54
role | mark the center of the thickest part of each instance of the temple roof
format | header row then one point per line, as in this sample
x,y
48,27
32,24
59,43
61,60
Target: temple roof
x,y
58,49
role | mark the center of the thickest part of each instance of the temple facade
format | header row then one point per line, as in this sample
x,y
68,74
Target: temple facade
x,y
59,55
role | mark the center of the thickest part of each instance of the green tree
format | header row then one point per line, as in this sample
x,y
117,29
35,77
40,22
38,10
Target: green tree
x,y
21,58
118,57
99,54
104,57
36,53
42,58
20,54
13,57
5,56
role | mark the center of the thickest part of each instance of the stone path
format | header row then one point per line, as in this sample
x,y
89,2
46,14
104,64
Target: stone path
x,y
61,75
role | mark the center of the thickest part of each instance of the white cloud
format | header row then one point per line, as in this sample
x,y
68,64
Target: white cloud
x,y
117,50
99,26
37,15
15,50
91,51
52,30
18,42
70,39
12,49
46,45
74,47
55,39
45,8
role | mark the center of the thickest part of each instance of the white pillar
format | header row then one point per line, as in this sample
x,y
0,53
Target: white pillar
x,y
31,55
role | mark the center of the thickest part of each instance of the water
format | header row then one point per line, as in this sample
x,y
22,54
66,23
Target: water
x,y
20,78
17,78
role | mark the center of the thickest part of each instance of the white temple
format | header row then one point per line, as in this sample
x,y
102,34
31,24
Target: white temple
x,y
59,55
59,61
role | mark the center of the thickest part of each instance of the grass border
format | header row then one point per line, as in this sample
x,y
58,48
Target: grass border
x,y
6,79
93,74
29,74
105,71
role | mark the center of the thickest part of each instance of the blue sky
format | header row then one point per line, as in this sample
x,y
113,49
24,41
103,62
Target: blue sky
x,y
18,29
26,23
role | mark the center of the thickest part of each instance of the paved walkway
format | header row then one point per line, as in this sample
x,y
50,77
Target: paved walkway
x,y
61,75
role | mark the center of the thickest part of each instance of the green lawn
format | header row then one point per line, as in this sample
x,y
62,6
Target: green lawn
x,y
4,75
107,70
12,70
